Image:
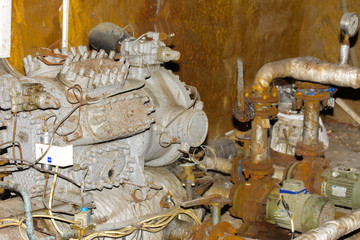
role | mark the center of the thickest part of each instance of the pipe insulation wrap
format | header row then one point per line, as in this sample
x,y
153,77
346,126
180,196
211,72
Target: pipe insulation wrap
x,y
334,229
308,69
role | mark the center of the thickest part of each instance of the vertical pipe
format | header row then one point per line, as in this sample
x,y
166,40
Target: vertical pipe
x,y
258,151
240,85
344,53
189,191
65,24
215,213
311,122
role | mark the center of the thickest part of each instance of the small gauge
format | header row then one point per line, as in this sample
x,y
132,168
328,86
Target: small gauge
x,y
349,24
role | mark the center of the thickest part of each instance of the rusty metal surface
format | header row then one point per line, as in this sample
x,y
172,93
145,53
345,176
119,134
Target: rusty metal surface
x,y
315,150
311,122
249,198
281,159
309,171
221,231
225,231
203,184
244,113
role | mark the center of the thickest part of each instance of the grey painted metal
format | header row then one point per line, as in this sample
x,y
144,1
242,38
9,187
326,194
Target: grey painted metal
x,y
120,205
131,115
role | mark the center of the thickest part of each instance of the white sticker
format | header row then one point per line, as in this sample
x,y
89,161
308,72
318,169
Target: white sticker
x,y
338,191
61,156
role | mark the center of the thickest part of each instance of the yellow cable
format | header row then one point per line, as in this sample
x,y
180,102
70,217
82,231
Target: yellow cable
x,y
20,232
146,225
51,200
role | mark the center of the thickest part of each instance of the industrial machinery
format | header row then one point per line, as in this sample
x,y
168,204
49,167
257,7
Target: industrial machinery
x,y
81,127
92,140
292,197
308,211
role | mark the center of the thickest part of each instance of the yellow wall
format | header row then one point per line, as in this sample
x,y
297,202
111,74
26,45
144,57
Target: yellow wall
x,y
211,35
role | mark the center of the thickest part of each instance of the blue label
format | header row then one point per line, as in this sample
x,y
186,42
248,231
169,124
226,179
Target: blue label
x,y
49,159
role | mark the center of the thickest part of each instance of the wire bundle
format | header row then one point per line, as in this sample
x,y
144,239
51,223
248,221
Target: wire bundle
x,y
153,224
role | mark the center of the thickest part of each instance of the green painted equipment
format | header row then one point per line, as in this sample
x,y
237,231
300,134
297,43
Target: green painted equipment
x,y
342,186
293,203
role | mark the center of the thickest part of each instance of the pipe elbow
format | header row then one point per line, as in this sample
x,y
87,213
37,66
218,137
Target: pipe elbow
x,y
307,69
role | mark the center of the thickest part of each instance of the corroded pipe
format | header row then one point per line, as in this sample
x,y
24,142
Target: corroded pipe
x,y
311,122
334,229
258,152
308,69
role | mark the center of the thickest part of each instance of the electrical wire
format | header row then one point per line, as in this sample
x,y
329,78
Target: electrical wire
x,y
141,57
79,101
31,164
153,224
185,109
13,136
203,147
131,27
21,225
9,68
287,209
178,115
51,200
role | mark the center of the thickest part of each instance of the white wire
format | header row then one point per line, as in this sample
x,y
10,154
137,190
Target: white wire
x,y
132,48
132,29
51,199
203,147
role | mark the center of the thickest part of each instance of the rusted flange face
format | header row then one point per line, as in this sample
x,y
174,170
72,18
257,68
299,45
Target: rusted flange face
x,y
317,150
263,169
281,159
309,171
265,106
307,91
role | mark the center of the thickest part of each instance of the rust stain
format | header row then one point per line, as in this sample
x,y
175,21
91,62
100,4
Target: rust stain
x,y
210,35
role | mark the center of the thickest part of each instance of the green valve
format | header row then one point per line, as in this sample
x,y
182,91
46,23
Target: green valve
x,y
342,186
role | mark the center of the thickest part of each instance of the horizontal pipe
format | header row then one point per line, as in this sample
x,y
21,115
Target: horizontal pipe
x,y
334,229
218,164
308,69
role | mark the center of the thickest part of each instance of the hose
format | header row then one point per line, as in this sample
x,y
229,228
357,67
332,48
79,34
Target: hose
x,y
9,68
27,209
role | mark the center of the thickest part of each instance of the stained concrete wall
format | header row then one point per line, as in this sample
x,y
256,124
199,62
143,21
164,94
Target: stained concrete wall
x,y
210,34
